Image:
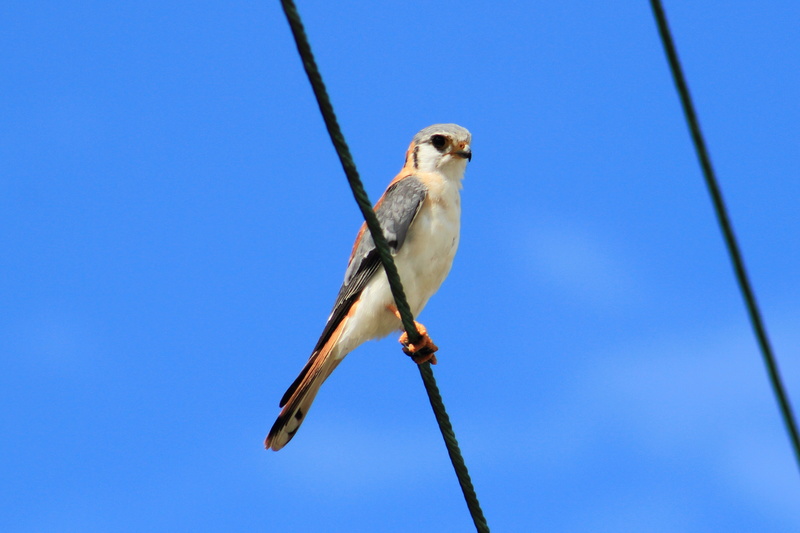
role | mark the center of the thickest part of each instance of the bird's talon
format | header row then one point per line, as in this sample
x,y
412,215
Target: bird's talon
x,y
423,351
426,357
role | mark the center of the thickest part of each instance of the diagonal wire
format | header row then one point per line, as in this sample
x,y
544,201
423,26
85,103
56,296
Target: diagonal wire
x,y
727,228
326,108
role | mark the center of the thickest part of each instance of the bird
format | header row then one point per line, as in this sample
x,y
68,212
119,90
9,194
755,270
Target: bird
x,y
419,214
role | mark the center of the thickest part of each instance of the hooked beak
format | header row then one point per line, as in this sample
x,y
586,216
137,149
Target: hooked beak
x,y
464,153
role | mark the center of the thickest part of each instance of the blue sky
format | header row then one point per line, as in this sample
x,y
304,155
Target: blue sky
x,y
175,227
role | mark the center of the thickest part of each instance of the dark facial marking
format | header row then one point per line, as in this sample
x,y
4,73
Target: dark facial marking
x,y
416,162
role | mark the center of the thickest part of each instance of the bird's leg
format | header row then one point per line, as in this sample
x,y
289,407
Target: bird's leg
x,y
423,350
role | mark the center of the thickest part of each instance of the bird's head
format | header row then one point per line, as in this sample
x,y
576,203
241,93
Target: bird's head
x,y
443,148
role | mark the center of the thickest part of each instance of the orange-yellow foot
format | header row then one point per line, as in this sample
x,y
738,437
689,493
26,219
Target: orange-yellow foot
x,y
423,350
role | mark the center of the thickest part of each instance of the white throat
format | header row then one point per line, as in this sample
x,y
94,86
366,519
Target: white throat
x,y
428,159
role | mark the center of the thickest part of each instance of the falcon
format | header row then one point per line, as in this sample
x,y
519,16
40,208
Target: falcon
x,y
420,216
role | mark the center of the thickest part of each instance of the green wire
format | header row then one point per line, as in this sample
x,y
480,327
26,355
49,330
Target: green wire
x,y
727,229
326,108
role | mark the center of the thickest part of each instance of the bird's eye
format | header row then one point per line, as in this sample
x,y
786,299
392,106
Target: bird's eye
x,y
438,141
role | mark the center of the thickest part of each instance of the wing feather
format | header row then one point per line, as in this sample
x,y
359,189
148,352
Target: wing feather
x,y
396,210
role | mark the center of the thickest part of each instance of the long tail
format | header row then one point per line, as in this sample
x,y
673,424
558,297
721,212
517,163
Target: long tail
x,y
301,393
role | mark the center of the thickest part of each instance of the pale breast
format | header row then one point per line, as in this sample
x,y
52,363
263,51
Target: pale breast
x,y
427,254
423,263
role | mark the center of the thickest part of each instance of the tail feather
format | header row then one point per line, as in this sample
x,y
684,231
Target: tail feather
x,y
301,393
297,381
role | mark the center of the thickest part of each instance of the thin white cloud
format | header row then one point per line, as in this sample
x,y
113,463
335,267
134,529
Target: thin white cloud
x,y
581,263
698,412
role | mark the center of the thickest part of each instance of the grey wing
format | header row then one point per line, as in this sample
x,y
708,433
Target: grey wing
x,y
395,211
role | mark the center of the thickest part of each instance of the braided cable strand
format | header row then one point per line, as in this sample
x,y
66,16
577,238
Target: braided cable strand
x,y
452,448
726,227
349,166
326,108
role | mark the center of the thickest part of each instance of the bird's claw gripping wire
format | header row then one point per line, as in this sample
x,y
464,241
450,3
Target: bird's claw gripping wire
x,y
423,350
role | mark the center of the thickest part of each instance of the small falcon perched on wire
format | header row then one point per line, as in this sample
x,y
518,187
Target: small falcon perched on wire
x,y
420,216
